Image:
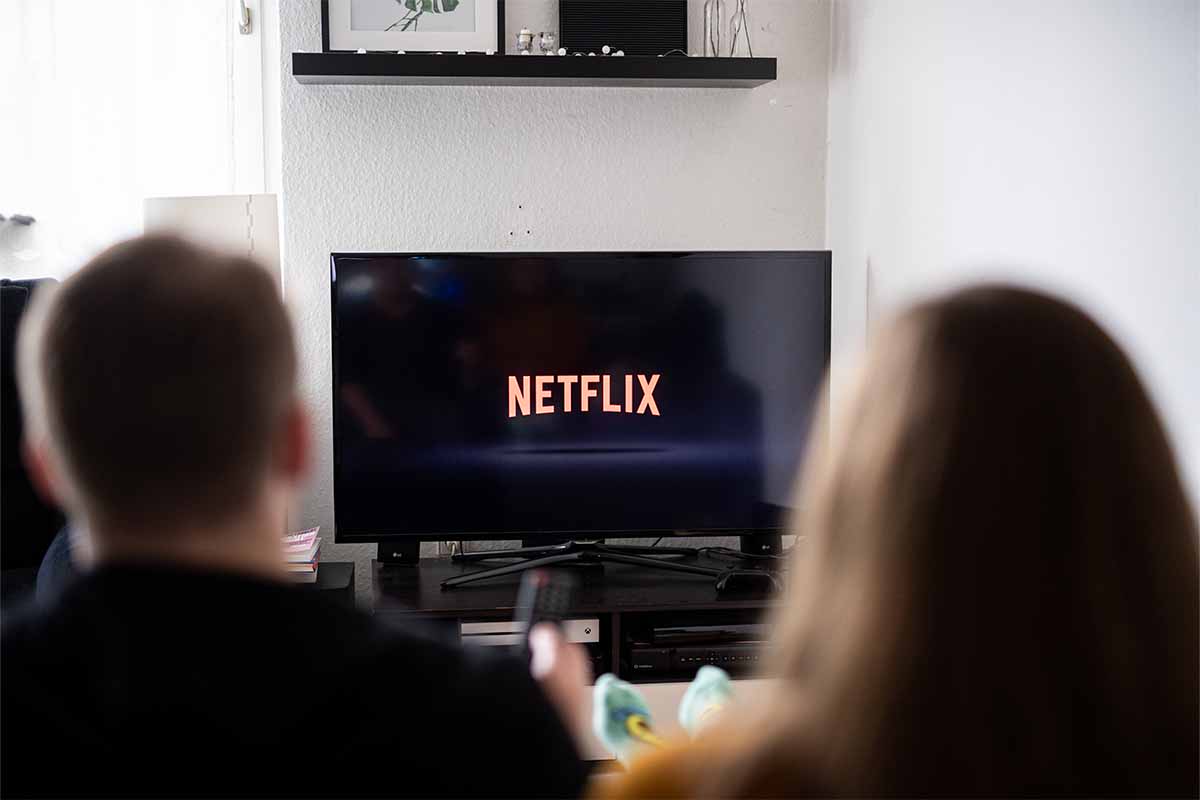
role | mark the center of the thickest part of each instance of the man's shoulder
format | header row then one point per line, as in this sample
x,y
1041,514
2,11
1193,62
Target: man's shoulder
x,y
185,610
17,622
18,632
28,629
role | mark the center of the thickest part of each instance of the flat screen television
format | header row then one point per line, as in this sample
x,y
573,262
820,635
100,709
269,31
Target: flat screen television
x,y
579,395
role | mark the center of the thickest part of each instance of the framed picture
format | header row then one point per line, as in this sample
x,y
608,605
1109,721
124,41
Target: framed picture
x,y
414,26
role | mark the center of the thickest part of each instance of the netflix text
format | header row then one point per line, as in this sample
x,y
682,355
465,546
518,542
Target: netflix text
x,y
549,394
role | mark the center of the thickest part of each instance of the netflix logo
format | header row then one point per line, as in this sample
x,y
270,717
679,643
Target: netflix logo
x,y
548,394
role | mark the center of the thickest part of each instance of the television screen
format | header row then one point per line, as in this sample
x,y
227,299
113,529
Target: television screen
x,y
494,396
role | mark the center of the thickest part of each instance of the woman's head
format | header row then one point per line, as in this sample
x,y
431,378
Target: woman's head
x,y
997,590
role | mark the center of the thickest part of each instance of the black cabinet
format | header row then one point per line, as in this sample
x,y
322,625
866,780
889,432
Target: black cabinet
x,y
627,603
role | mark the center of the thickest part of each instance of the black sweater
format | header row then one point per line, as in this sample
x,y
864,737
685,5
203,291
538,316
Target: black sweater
x,y
168,682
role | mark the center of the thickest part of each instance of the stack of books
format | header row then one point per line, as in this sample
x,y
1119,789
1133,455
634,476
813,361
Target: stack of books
x,y
301,551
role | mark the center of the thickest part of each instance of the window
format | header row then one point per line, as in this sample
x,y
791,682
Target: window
x,y
106,104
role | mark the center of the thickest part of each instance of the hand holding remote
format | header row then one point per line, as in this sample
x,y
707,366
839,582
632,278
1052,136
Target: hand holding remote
x,y
562,668
564,671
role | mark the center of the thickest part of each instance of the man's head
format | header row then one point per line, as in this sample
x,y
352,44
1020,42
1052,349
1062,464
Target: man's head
x,y
159,383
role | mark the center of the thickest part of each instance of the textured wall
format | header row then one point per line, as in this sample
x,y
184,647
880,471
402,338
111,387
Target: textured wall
x,y
483,169
1052,144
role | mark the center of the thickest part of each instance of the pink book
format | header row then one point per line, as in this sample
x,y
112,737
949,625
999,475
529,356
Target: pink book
x,y
300,542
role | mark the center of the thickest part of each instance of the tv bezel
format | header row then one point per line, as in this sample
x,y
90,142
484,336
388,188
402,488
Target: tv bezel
x,y
341,536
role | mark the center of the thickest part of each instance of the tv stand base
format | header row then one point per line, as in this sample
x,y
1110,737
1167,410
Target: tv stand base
x,y
580,553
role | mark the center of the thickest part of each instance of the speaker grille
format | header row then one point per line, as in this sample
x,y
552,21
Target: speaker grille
x,y
639,27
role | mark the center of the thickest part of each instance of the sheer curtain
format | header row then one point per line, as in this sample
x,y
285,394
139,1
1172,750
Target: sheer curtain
x,y
107,103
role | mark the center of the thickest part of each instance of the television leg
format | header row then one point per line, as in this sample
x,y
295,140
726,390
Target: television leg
x,y
584,554
664,566
508,569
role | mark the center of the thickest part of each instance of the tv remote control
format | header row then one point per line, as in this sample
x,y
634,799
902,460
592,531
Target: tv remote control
x,y
545,596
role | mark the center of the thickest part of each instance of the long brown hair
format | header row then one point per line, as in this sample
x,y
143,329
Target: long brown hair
x,y
997,592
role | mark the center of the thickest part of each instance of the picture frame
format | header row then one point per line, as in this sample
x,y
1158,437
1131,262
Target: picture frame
x,y
392,25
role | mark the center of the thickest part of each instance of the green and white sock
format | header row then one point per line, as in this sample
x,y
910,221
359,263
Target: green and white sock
x,y
708,694
621,718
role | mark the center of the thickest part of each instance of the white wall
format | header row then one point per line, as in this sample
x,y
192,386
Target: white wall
x,y
1051,143
431,168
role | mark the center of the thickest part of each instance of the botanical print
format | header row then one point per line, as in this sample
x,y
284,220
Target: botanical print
x,y
413,16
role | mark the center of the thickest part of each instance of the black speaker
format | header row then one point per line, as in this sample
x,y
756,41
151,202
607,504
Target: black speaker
x,y
639,27
399,551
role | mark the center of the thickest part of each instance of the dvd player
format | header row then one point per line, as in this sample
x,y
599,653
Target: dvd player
x,y
666,661
672,652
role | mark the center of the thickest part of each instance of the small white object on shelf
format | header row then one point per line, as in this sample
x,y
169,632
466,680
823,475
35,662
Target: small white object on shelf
x,y
619,53
606,49
562,51
362,51
401,53
591,54
462,52
489,52
525,41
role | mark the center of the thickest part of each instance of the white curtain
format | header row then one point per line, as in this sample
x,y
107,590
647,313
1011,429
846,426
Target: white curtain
x,y
103,104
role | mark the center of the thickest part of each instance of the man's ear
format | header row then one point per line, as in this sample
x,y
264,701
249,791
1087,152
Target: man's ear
x,y
295,452
40,466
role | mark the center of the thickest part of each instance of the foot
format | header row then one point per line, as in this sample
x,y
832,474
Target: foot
x,y
621,718
709,693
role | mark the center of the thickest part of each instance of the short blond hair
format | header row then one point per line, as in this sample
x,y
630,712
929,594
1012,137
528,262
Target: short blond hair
x,y
160,374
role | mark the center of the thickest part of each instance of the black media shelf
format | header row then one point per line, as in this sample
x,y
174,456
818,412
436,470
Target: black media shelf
x,y
532,70
624,599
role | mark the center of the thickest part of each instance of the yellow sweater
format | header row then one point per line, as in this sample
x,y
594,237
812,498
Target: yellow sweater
x,y
671,772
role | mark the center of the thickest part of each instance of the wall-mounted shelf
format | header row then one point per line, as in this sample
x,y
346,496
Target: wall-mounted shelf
x,y
481,70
